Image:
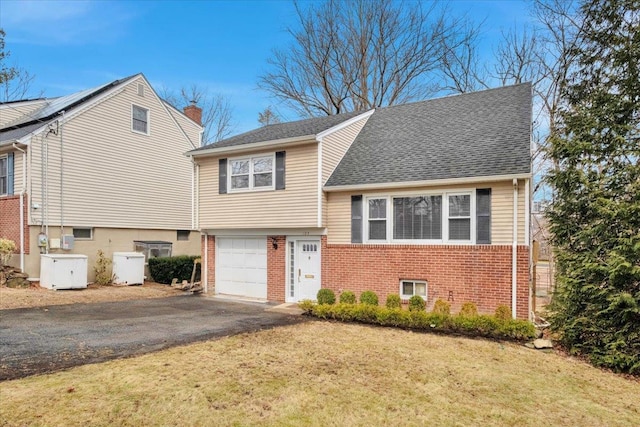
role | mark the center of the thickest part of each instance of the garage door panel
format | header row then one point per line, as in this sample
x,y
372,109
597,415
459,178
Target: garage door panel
x,y
241,267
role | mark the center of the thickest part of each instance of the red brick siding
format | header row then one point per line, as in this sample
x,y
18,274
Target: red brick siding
x,y
459,274
276,268
210,262
10,220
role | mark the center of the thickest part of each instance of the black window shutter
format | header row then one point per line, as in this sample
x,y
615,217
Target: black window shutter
x,y
356,219
222,176
10,174
280,172
483,216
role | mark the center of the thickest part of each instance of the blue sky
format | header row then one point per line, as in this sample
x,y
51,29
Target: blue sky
x,y
220,45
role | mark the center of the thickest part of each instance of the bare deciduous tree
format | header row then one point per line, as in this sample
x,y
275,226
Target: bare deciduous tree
x,y
217,114
15,82
359,54
268,117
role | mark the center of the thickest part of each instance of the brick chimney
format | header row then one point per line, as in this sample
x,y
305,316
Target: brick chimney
x,y
193,112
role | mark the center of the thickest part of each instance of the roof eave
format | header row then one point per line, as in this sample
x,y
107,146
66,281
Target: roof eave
x,y
283,142
426,183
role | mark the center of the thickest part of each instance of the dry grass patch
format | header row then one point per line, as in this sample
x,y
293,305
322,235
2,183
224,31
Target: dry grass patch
x,y
321,373
37,296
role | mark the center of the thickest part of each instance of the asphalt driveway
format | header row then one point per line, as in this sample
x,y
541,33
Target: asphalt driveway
x,y
45,339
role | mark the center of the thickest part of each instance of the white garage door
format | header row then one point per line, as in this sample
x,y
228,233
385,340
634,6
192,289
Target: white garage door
x,y
241,267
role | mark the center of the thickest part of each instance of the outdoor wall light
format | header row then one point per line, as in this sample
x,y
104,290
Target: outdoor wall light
x,y
274,243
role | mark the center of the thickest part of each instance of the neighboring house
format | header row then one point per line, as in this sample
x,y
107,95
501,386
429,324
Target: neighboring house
x,y
429,198
105,165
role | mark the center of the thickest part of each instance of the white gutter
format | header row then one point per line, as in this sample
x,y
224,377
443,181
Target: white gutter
x,y
205,264
24,186
514,252
433,182
296,140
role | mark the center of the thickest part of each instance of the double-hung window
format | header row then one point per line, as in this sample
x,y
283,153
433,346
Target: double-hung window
x,y
4,175
251,173
377,219
459,219
140,119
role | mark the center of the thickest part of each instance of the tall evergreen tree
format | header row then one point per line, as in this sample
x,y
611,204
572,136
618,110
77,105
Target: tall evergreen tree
x,y
595,218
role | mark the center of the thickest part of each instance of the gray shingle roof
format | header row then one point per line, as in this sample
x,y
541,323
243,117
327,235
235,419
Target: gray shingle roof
x,y
281,130
476,134
9,136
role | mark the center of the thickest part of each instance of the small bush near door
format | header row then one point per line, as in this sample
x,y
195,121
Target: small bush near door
x,y
326,296
165,269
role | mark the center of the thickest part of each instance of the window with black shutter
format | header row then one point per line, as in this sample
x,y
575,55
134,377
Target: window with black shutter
x,y
483,216
356,219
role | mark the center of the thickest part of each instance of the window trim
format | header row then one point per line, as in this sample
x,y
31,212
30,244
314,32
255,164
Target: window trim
x,y
148,132
251,187
414,281
471,192
82,228
447,217
5,157
386,218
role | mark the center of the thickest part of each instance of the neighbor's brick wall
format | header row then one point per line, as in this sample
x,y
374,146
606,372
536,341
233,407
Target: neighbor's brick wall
x,y
276,268
10,220
476,273
211,262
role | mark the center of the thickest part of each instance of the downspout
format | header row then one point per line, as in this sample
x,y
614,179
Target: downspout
x,y
24,186
527,236
205,264
514,252
193,194
61,175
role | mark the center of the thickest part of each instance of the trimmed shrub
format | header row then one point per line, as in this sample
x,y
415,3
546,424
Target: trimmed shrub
x,y
369,298
503,312
393,301
7,249
442,307
347,297
416,303
306,306
482,326
165,269
469,309
326,296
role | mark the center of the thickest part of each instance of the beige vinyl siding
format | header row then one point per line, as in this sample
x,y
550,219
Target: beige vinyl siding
x,y
335,145
17,172
16,111
339,216
189,126
296,206
114,177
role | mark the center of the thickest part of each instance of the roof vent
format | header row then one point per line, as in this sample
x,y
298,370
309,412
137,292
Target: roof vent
x,y
140,89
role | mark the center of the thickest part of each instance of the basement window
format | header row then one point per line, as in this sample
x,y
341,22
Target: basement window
x,y
183,234
409,288
83,233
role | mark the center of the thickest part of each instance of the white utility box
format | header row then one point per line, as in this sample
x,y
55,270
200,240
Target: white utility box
x,y
63,271
128,267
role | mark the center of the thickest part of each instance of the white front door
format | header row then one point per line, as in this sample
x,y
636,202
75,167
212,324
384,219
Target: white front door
x,y
306,269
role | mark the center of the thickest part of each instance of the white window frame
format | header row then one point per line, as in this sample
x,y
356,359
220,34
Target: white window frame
x,y
148,132
251,186
472,217
367,219
4,192
407,296
445,217
82,228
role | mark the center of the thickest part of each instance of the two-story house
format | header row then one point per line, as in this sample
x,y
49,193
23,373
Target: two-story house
x,y
429,198
105,165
